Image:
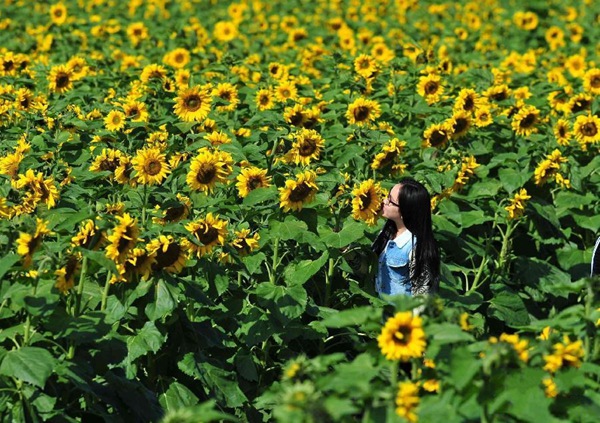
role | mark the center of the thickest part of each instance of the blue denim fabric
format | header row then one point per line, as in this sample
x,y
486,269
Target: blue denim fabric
x,y
393,273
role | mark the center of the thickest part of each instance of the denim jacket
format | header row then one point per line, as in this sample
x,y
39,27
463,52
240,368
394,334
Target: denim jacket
x,y
393,271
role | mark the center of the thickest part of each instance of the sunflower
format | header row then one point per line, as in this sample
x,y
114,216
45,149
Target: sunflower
x,y
27,243
468,100
140,262
24,99
207,233
208,168
123,238
430,88
9,164
122,173
88,236
169,254
151,166
362,111
65,276
58,13
182,79
43,190
497,92
243,243
366,201
60,79
389,153
78,66
549,167
579,102
251,178
218,138
483,117
136,111
459,124
153,72
176,210
562,132
227,94
525,120
286,90
575,64
264,99
278,71
587,129
402,337
298,192
591,81
555,37
225,31
407,401
115,120
294,115
137,32
365,66
516,208
177,58
306,147
192,104
108,160
437,135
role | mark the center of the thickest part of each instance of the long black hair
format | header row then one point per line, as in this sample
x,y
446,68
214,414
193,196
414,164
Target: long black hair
x,y
415,209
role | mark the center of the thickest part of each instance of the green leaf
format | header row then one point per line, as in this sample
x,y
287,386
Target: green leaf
x,y
7,262
147,339
290,228
351,317
512,179
260,195
298,273
508,307
165,301
591,223
351,232
245,366
176,397
485,188
463,368
30,364
447,333
474,217
100,258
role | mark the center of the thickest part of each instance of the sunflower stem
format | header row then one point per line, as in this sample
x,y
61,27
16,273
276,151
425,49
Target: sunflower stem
x,y
78,296
144,202
105,293
394,382
328,278
503,259
27,330
275,258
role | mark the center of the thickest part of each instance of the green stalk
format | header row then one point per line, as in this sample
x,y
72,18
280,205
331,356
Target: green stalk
x,y
27,330
394,382
275,259
105,293
502,261
144,202
476,283
328,278
77,308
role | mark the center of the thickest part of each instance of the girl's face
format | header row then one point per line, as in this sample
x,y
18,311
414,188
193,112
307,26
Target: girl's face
x,y
391,209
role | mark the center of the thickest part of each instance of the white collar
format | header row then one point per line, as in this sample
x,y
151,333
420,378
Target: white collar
x,y
403,238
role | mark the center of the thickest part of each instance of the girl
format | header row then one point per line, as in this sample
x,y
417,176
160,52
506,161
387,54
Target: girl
x,y
409,261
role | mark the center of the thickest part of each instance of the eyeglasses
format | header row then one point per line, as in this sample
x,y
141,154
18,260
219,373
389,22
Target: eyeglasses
x,y
389,200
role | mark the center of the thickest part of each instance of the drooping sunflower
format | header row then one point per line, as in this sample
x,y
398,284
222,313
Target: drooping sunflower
x,y
140,262
58,13
306,147
175,210
208,168
192,104
525,121
170,255
407,401
207,233
497,93
65,276
44,190
430,88
562,132
579,102
89,236
251,178
363,111
123,172
60,79
108,160
9,164
402,337
389,153
115,120
24,99
294,115
366,201
587,129
264,99
153,72
298,192
123,238
28,243
151,166
244,243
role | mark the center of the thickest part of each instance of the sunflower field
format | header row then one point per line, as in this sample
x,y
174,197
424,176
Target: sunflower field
x,y
189,190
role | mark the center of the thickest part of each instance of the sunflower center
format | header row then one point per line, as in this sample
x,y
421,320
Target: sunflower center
x,y
365,200
285,93
364,64
209,235
460,125
168,258
137,32
469,104
437,138
179,58
9,65
361,113
307,147
580,105
499,96
264,100
562,132
402,336
174,213
300,193
595,81
193,103
62,80
125,241
206,173
387,159
25,102
225,95
528,121
153,167
58,13
108,164
254,182
70,268
431,87
589,129
134,112
296,119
